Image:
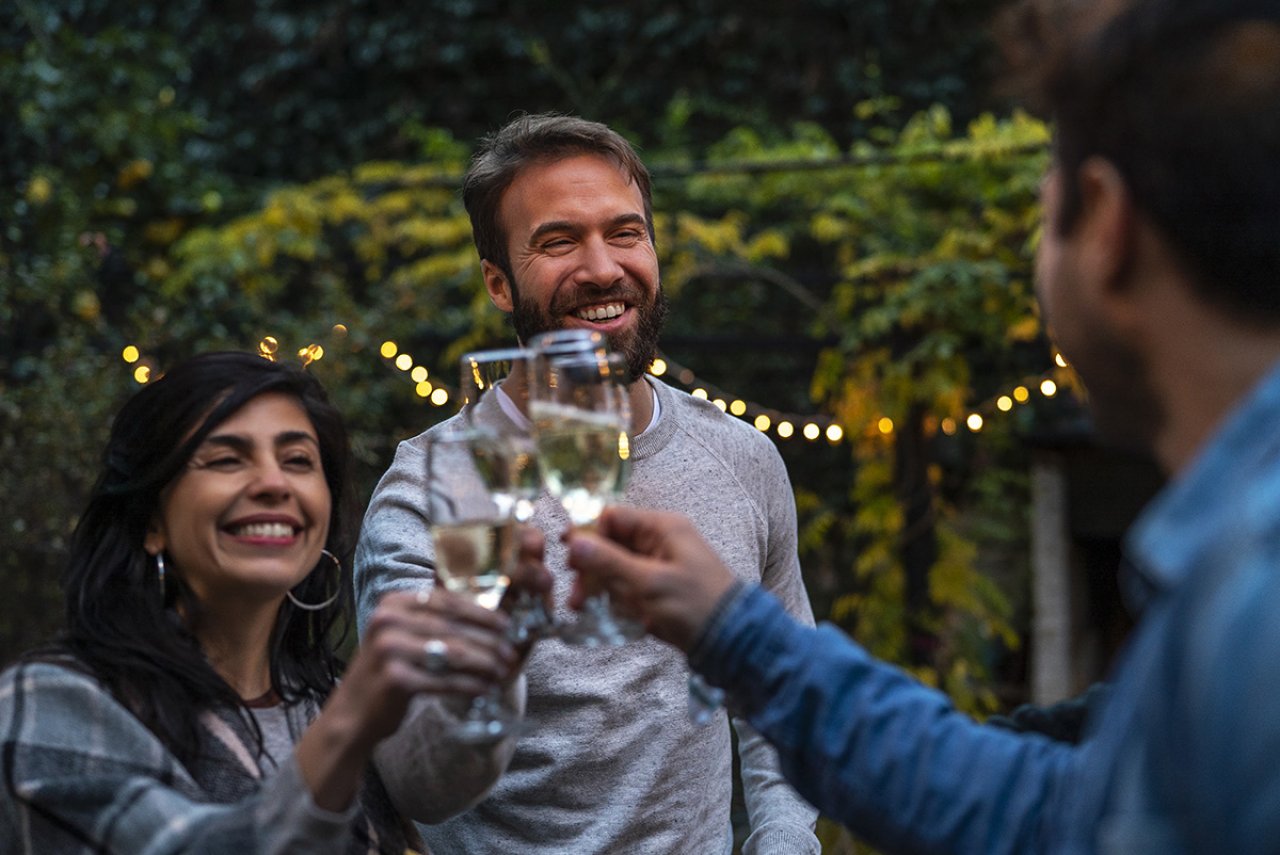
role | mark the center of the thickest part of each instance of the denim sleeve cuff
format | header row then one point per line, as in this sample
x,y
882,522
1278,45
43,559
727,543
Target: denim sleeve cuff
x,y
717,622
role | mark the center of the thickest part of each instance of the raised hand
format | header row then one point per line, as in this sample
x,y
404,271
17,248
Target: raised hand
x,y
655,565
429,640
392,663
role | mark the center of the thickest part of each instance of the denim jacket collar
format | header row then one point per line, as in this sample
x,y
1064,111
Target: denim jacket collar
x,y
1163,544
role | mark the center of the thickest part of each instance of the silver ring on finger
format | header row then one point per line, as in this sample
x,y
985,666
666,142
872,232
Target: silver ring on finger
x,y
435,656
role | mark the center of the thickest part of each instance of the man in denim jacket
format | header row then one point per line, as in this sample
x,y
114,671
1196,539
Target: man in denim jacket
x,y
1159,271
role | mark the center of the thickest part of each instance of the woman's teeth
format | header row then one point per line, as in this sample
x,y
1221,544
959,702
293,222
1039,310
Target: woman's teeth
x,y
263,530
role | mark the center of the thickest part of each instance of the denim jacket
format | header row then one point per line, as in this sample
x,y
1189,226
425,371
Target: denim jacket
x,y
1183,756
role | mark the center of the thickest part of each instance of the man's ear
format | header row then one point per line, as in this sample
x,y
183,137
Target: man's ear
x,y
1104,233
495,282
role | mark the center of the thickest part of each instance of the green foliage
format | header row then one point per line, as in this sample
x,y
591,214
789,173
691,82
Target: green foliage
x,y
52,430
382,253
96,179
294,90
923,237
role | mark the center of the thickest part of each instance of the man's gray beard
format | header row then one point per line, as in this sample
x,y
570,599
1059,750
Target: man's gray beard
x,y
639,349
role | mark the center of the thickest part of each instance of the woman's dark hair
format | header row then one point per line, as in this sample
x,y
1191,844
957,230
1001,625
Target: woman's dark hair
x,y
119,627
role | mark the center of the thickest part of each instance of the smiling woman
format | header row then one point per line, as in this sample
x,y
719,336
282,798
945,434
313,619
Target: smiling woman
x,y
247,518
193,701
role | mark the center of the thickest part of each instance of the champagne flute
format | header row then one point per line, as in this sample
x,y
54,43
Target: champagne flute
x,y
577,406
704,700
474,551
571,378
495,394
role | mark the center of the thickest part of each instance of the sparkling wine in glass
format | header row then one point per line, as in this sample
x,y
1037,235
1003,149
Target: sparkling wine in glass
x,y
579,419
495,392
578,456
472,557
474,550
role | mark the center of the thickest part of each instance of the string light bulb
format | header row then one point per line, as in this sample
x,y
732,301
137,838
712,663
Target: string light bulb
x,y
310,354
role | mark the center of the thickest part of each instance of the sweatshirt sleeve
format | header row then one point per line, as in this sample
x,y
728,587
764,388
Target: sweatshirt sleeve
x,y
82,774
781,821
429,776
869,746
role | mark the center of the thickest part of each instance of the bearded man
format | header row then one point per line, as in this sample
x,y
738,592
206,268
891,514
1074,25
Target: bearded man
x,y
608,759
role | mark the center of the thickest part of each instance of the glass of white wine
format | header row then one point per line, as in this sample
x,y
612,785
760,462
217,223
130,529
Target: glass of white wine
x,y
474,546
495,396
578,407
495,390
704,700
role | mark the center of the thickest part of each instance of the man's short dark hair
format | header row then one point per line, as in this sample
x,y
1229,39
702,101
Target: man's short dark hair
x,y
1183,97
535,139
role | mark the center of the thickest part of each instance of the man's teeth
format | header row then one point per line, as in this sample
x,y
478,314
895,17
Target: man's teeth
x,y
263,530
601,313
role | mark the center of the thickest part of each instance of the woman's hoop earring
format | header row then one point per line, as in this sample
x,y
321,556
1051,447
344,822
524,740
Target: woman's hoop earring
x,y
160,572
337,588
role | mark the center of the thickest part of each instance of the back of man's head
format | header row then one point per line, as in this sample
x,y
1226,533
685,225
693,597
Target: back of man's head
x,y
1183,97
529,140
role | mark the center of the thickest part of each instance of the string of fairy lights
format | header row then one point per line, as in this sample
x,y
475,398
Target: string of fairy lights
x,y
770,421
779,424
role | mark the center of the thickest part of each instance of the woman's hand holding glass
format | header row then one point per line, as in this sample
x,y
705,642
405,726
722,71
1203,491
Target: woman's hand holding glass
x,y
426,640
